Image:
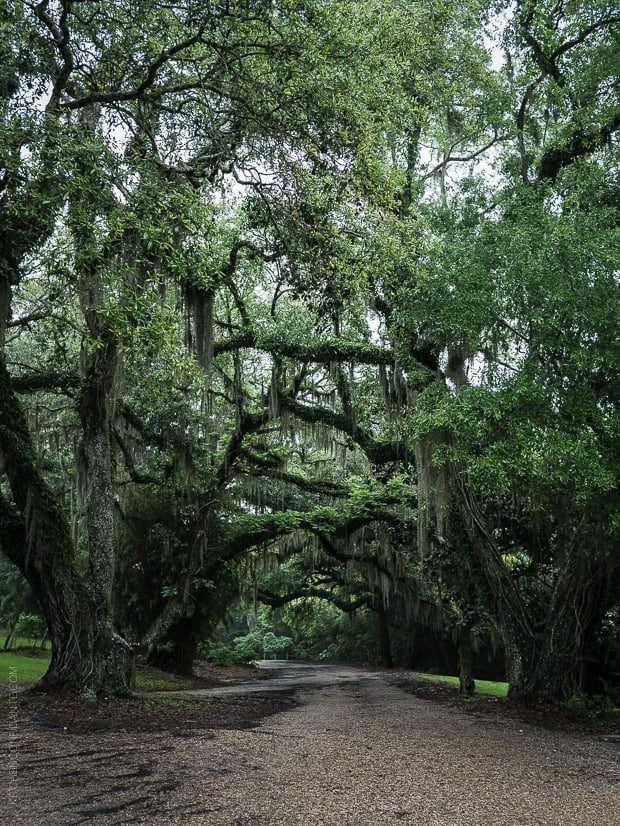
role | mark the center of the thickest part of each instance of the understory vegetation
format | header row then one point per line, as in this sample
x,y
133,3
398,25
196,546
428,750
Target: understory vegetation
x,y
308,338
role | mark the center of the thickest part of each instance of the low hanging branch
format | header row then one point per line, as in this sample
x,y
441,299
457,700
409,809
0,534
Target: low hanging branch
x,y
379,452
272,469
254,530
314,351
278,600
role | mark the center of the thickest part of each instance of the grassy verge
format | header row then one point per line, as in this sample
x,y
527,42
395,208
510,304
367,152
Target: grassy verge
x,y
152,679
23,666
484,687
25,642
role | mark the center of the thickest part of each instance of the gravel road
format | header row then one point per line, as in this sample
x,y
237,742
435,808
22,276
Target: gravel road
x,y
354,751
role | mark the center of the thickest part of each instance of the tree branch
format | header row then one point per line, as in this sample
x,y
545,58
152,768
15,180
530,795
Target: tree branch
x,y
52,380
578,146
379,452
278,600
318,352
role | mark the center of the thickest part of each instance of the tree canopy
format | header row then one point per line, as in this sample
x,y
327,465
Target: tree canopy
x,y
318,299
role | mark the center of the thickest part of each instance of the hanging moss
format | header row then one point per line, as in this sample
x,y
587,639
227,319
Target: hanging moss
x,y
433,493
199,323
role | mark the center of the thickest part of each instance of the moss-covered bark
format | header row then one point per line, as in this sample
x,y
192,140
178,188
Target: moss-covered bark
x,y
558,665
35,535
96,414
465,652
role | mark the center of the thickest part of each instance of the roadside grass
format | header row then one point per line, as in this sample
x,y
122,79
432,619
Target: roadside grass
x,y
19,643
25,665
152,679
487,688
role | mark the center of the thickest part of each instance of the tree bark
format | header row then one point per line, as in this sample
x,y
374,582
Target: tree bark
x,y
175,631
176,650
385,647
96,415
511,613
546,667
113,656
574,608
467,686
35,535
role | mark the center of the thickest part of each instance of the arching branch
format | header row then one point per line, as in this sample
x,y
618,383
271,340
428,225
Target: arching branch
x,y
278,600
579,145
324,351
379,452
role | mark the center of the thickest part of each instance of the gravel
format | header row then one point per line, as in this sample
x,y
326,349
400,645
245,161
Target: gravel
x,y
357,752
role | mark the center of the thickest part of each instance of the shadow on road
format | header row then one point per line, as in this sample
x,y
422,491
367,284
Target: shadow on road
x,y
289,675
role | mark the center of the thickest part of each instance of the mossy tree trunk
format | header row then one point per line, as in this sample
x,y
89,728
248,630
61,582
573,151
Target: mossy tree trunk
x,y
574,608
36,536
112,655
465,651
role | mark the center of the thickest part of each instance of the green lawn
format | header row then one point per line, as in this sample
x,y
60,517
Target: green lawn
x,y
152,679
23,667
486,687
24,642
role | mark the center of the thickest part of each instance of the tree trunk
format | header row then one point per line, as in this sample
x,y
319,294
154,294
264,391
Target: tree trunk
x,y
547,667
173,637
511,613
112,656
35,535
177,650
385,647
161,635
574,608
409,654
465,651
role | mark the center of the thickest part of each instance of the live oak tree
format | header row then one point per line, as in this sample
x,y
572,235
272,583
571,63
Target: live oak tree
x,y
293,277
484,310
516,301
113,118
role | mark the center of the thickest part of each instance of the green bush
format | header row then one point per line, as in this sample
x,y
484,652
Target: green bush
x,y
216,653
245,648
594,709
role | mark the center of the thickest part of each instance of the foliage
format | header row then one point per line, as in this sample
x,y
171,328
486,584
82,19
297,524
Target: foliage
x,y
243,640
31,627
593,709
318,302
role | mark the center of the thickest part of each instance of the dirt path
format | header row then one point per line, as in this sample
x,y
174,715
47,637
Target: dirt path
x,y
354,751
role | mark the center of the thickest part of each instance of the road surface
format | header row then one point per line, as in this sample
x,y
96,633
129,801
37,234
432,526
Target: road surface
x,y
354,750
